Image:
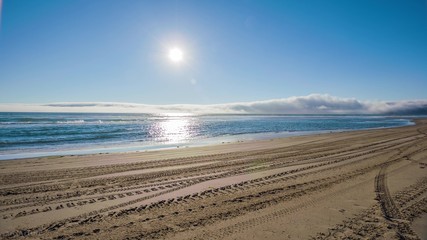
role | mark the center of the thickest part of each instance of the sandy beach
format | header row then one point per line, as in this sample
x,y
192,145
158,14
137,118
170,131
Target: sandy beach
x,y
369,184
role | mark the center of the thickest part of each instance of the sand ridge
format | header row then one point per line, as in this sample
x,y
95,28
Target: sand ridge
x,y
325,186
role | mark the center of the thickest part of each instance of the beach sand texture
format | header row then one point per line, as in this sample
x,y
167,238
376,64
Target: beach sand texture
x,y
369,184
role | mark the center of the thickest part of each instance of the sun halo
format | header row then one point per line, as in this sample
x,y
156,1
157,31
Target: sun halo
x,y
176,55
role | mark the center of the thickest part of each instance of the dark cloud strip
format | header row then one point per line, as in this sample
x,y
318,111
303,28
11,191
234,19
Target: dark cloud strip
x,y
310,104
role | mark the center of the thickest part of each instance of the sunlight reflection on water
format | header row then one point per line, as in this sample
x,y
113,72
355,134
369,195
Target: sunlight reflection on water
x,y
174,130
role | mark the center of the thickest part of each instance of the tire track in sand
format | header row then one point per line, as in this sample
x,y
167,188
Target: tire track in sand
x,y
388,207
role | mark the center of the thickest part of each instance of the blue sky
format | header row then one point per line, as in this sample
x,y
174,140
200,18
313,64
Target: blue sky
x,y
234,51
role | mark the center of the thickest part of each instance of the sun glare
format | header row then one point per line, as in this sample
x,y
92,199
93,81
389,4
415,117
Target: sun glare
x,y
176,55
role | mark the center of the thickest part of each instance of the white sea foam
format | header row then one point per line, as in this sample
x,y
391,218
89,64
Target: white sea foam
x,y
71,122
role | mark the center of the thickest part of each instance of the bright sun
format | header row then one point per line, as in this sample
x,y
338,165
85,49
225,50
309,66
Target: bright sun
x,y
176,55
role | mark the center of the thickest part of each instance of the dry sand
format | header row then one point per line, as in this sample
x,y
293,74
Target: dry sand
x,y
369,184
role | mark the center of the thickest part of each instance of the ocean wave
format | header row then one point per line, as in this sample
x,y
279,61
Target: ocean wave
x,y
48,129
77,121
71,122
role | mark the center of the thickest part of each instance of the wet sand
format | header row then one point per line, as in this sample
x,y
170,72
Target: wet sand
x,y
369,184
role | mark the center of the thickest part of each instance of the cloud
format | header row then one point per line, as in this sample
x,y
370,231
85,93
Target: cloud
x,y
310,104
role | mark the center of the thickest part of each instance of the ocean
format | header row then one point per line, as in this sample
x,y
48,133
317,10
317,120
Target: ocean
x,y
45,134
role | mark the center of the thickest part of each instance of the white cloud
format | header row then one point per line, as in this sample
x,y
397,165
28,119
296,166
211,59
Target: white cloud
x,y
310,104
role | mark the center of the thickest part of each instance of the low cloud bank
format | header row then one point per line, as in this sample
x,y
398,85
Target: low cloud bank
x,y
310,104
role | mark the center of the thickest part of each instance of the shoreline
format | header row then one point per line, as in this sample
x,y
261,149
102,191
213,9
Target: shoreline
x,y
134,147
303,186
